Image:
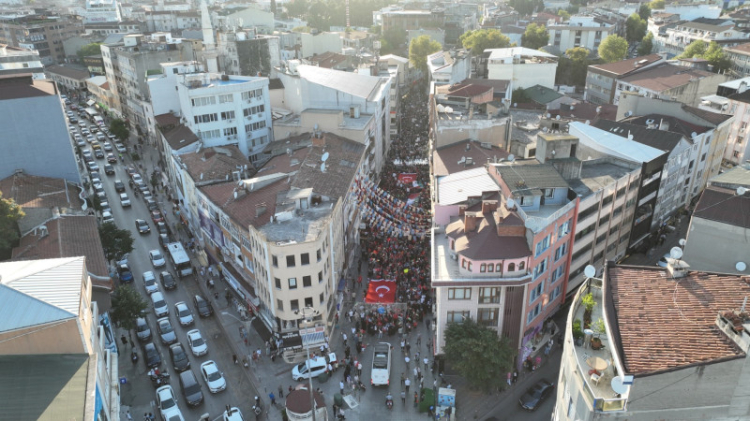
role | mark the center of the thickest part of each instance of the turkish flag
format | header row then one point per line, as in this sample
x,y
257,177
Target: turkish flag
x,y
407,177
381,291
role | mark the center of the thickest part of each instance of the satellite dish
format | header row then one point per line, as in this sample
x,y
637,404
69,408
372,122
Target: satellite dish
x,y
549,115
511,203
676,252
511,158
323,167
740,266
588,122
682,242
324,158
741,191
557,117
590,271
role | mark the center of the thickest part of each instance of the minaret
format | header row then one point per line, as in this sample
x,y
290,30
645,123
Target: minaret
x,y
209,43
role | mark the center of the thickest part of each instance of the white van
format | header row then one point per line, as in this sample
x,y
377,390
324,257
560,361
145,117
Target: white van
x,y
160,304
317,367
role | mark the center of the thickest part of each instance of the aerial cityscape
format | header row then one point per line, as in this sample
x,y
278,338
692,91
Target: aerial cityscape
x,y
327,210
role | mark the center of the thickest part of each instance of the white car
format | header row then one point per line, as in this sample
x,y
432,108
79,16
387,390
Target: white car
x,y
157,259
149,282
120,148
107,217
183,314
197,345
124,200
167,404
137,179
233,414
213,377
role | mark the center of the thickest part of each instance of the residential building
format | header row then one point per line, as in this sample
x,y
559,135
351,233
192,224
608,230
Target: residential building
x,y
702,369
658,23
170,20
546,98
15,60
449,67
518,218
721,31
733,98
337,61
246,54
523,66
460,17
69,78
412,19
52,331
584,30
383,68
595,143
286,235
319,42
219,109
350,105
601,79
36,142
245,17
99,11
114,28
701,12
41,32
98,88
671,82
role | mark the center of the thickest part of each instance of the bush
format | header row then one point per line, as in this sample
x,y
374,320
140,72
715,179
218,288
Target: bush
x,y
577,330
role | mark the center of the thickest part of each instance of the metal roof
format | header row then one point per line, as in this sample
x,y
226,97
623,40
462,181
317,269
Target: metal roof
x,y
35,292
458,187
613,144
355,84
496,53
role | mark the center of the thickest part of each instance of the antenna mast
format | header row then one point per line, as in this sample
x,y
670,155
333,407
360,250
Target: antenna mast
x,y
347,13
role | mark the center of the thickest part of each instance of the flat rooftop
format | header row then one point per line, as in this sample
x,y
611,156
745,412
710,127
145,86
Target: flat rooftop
x,y
597,176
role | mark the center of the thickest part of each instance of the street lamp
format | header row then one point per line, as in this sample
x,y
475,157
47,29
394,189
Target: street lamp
x,y
305,311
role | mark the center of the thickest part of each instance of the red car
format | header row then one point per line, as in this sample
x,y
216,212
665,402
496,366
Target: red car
x,y
156,216
131,170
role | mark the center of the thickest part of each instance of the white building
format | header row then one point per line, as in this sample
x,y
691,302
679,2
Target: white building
x,y
100,11
243,52
219,109
725,33
733,98
580,31
319,43
449,67
523,66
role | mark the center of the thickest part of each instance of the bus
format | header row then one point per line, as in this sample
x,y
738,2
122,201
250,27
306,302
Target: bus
x,y
180,259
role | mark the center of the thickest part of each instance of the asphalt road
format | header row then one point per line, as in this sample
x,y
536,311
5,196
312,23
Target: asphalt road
x,y
138,393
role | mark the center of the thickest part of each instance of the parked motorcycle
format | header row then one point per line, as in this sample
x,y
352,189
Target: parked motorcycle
x,y
158,379
361,386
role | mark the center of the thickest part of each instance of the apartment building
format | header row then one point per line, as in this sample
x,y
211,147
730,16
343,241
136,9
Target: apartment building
x,y
449,67
671,82
286,235
245,53
700,375
388,68
601,79
412,19
43,32
740,56
733,98
585,31
70,78
98,11
169,20
523,66
721,31
15,60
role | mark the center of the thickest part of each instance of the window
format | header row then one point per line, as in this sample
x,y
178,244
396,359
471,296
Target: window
x,y
206,118
227,115
275,261
564,229
512,267
320,276
318,254
540,268
468,267
459,293
703,157
739,138
483,268
463,263
490,267
457,316
487,316
600,239
621,192
521,265
290,261
230,131
604,219
278,283
536,292
308,302
543,245
307,281
555,292
736,154
305,258
561,251
292,283
489,295
280,305
533,313
588,212
607,200
202,101
557,273
248,95
210,134
322,298
294,305
549,193
223,99
499,268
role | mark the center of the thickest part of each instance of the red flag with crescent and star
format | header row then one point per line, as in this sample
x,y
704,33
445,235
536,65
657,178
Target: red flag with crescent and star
x,y
381,291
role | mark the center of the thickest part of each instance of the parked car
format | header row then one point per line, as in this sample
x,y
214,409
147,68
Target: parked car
x,y
160,304
311,368
142,226
183,314
164,240
233,414
166,331
124,200
203,306
167,404
536,395
149,282
151,354
213,377
156,216
197,345
108,147
107,217
92,166
142,330
179,358
123,270
162,228
157,258
151,204
120,148
167,280
191,389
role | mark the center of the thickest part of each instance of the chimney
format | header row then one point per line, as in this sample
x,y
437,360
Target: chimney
x,y
260,209
318,140
470,221
461,210
677,268
489,206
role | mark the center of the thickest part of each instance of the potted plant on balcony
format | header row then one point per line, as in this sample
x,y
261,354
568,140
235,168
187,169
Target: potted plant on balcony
x,y
599,329
588,304
578,334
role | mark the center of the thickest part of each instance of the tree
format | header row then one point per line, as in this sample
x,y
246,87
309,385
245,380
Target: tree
x,y
644,11
563,14
297,7
10,213
571,69
711,52
302,29
392,41
578,54
535,36
115,241
519,96
613,48
526,7
657,4
478,353
120,129
481,39
635,28
647,45
127,305
420,48
93,49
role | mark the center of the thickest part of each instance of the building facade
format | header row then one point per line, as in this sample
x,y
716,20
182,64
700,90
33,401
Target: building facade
x,y
601,79
671,82
733,98
580,31
43,33
99,11
523,66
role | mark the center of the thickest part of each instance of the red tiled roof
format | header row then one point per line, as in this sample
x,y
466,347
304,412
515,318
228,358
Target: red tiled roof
x,y
24,86
464,90
742,48
725,206
167,119
665,76
212,164
446,158
31,191
484,243
243,209
662,324
626,66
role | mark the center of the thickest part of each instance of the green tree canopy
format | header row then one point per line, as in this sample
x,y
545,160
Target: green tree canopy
x,y
647,45
535,36
10,213
127,305
571,69
578,54
644,11
711,52
563,14
115,241
526,7
392,41
635,28
478,353
613,48
657,4
93,49
302,29
120,129
297,8
420,48
481,39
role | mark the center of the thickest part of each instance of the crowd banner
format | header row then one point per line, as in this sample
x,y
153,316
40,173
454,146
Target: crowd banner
x,y
381,291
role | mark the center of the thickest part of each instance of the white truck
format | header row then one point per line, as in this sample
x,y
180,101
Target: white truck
x,y
180,259
381,365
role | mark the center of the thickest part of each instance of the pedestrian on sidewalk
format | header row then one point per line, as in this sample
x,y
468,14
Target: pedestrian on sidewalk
x,y
273,398
403,397
343,336
359,368
281,391
416,374
403,377
341,387
419,339
426,361
407,383
408,348
127,414
403,344
124,339
406,360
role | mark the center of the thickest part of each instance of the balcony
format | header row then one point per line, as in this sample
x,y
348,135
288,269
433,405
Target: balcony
x,y
596,388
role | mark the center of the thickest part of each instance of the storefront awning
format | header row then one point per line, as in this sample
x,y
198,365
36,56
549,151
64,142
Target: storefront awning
x,y
90,102
291,340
